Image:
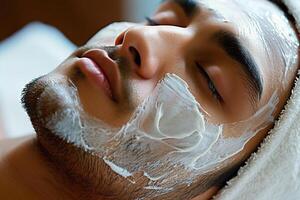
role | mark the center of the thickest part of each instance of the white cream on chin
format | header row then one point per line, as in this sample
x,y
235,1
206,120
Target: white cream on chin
x,y
167,134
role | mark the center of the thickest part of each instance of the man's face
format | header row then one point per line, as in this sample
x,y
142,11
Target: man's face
x,y
238,59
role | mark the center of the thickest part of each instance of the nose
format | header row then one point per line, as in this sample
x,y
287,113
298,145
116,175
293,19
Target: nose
x,y
149,48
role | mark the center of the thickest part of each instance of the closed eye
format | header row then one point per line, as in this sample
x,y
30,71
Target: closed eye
x,y
210,84
151,22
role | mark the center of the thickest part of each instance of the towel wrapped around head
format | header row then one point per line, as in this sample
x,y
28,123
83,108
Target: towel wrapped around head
x,y
273,172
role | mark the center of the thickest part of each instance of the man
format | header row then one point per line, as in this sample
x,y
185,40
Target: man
x,y
170,111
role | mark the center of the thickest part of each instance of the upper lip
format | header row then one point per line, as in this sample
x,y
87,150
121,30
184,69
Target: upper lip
x,y
109,68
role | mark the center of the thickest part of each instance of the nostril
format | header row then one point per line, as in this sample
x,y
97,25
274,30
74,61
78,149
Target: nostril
x,y
136,56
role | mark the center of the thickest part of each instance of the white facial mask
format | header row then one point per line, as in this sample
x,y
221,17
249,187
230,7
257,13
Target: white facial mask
x,y
270,31
167,133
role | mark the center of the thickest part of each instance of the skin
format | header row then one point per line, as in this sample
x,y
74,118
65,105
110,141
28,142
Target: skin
x,y
59,173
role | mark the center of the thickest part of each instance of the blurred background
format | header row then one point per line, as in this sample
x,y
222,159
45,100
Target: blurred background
x,y
77,19
35,36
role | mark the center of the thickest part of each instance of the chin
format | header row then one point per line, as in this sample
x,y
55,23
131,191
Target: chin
x,y
71,162
39,101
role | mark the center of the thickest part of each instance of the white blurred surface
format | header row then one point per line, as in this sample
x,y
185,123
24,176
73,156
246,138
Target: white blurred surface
x,y
33,51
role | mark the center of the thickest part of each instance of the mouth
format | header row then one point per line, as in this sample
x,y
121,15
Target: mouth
x,y
101,71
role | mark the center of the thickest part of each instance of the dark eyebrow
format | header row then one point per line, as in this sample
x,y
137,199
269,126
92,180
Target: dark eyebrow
x,y
233,47
188,6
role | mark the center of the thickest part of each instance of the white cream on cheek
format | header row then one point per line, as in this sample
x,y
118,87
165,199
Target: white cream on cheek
x,y
166,135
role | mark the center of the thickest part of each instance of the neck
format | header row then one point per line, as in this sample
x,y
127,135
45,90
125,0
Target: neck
x,y
27,174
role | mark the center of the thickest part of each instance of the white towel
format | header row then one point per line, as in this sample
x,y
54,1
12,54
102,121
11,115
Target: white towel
x,y
39,49
273,172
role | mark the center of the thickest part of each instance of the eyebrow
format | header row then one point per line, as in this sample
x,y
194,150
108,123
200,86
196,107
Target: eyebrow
x,y
233,47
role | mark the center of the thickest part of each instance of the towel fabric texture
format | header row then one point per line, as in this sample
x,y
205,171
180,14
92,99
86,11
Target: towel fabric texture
x,y
273,172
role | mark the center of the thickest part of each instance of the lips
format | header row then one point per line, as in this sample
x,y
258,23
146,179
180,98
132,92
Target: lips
x,y
101,71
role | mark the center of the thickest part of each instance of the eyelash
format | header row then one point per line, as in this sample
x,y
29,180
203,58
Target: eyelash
x,y
211,85
151,22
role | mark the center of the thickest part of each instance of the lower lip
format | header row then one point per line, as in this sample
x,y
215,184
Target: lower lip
x,y
94,73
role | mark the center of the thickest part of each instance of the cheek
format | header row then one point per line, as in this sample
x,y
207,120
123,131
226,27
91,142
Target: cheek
x,y
251,145
139,90
198,87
